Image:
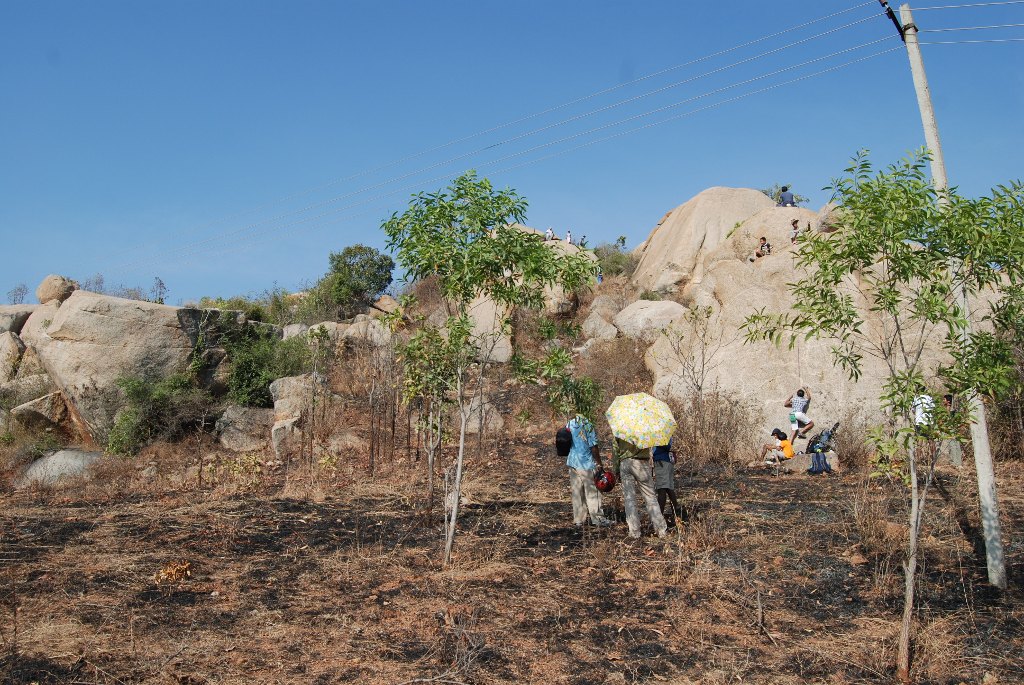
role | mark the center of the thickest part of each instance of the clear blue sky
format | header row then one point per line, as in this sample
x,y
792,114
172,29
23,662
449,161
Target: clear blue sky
x,y
185,139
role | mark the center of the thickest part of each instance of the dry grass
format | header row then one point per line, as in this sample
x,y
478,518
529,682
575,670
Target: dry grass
x,y
342,583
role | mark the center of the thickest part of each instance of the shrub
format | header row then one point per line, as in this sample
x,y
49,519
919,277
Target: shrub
x,y
614,259
617,366
715,429
254,309
257,360
161,409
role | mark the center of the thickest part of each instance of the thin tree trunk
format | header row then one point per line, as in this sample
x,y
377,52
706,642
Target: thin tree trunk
x,y
909,571
457,490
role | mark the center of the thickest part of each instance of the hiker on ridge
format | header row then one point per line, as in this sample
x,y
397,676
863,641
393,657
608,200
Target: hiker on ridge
x,y
786,198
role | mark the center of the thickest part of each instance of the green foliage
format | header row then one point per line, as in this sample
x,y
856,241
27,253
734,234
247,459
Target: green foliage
x,y
464,237
567,394
162,409
613,258
358,276
254,309
650,295
774,191
909,254
257,360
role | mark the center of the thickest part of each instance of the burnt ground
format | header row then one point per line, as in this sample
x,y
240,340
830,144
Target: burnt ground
x,y
777,580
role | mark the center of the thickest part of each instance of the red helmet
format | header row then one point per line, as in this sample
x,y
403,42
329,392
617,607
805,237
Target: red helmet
x,y
604,480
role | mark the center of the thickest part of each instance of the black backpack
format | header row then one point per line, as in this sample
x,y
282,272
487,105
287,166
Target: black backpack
x,y
563,442
822,442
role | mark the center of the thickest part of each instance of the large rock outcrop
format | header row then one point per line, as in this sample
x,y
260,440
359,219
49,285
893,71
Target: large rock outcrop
x,y
14,316
90,341
674,252
690,354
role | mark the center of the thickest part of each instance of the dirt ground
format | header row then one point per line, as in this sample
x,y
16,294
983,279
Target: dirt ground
x,y
776,580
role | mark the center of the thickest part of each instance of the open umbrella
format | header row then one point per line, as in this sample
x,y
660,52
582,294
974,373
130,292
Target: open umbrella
x,y
641,419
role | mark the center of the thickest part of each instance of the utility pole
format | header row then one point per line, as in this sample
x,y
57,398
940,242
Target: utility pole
x,y
989,502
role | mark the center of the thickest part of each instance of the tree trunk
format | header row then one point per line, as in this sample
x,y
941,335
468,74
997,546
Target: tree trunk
x,y
909,570
987,499
457,490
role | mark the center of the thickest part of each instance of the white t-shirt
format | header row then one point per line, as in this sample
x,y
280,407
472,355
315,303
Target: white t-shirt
x,y
923,406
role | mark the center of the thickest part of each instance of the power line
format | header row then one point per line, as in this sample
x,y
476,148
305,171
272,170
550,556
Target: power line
x,y
527,118
973,4
970,28
561,152
962,42
457,158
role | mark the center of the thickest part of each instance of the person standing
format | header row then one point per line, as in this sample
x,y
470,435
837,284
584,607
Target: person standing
x,y
635,471
568,236
665,482
583,460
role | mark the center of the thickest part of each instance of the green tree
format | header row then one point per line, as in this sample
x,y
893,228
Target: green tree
x,y
463,237
614,259
358,276
905,256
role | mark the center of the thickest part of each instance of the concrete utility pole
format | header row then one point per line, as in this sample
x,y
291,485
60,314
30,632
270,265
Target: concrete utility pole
x,y
989,502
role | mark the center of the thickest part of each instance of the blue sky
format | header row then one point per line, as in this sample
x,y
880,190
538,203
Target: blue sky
x,y
229,146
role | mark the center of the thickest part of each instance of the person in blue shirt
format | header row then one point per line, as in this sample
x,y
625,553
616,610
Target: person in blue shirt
x,y
786,198
665,482
583,461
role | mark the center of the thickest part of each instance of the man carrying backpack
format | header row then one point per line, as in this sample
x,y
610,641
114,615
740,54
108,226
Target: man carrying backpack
x,y
583,459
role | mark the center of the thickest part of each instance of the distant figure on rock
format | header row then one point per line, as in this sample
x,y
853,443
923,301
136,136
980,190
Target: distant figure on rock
x,y
782,449
549,234
798,418
786,198
634,466
583,460
568,237
763,250
795,231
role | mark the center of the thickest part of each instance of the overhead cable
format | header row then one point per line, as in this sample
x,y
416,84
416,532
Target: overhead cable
x,y
535,115
971,28
973,4
457,158
196,249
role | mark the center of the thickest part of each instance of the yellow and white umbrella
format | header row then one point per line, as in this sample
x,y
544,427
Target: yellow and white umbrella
x,y
641,419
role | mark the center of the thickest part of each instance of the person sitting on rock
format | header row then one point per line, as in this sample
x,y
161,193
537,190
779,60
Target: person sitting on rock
x,y
764,249
782,449
786,198
549,234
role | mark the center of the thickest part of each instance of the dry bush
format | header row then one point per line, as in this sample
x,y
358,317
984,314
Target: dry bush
x,y
715,429
427,293
618,367
851,442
